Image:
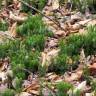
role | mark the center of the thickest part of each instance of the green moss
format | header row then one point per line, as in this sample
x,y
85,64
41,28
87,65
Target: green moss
x,y
35,41
25,53
34,25
83,4
60,64
20,57
63,88
8,92
3,26
71,47
93,84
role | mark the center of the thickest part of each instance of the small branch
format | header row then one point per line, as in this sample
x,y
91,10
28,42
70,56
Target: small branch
x,y
41,13
27,71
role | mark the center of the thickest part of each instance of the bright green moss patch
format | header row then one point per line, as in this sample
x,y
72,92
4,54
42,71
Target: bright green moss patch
x,y
8,92
24,53
70,49
20,57
3,26
34,25
63,88
35,41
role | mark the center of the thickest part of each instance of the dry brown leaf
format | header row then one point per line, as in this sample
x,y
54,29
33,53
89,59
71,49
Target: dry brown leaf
x,y
55,4
12,30
53,77
60,33
17,18
82,56
92,23
35,92
92,69
76,27
34,87
47,57
49,74
23,94
49,2
73,76
84,22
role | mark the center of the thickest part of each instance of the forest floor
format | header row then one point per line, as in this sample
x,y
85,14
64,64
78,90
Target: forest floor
x,y
51,53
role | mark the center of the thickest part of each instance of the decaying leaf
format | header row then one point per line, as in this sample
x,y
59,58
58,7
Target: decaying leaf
x,y
73,76
47,57
12,30
17,18
34,92
82,56
80,88
55,4
23,94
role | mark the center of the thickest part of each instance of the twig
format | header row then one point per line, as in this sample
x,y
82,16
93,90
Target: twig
x,y
41,13
27,71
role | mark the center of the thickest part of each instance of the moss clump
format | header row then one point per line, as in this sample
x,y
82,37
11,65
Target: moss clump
x,y
25,53
83,4
33,25
21,57
35,41
63,88
70,49
3,26
8,92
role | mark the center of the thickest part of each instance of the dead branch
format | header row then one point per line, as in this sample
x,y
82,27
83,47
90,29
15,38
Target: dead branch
x,y
41,13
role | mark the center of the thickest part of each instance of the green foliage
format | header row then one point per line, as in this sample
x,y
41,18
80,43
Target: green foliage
x,y
3,26
38,4
33,25
42,70
27,58
93,84
73,44
25,53
83,4
18,85
63,88
59,65
8,92
86,74
71,47
20,57
78,93
35,41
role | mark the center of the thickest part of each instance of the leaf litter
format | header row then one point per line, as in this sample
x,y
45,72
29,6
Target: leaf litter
x,y
71,22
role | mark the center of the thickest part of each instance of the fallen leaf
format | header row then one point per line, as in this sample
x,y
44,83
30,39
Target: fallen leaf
x,y
92,69
17,18
23,94
73,76
55,4
12,30
47,57
80,87
35,92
